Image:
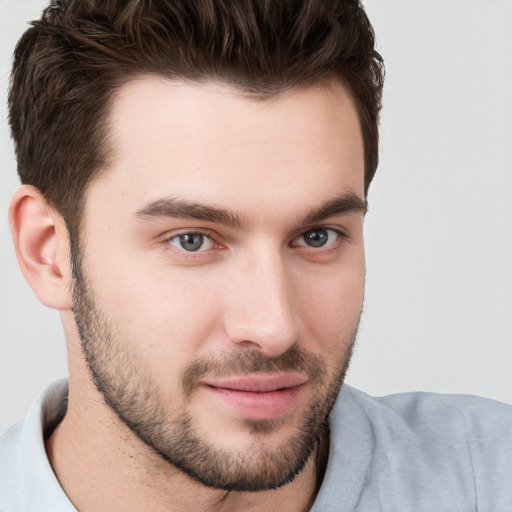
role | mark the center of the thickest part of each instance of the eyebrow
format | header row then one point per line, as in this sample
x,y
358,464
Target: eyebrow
x,y
184,209
341,205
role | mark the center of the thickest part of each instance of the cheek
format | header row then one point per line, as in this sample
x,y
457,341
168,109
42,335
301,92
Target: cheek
x,y
330,306
165,314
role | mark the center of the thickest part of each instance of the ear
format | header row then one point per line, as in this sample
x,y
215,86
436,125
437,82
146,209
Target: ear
x,y
42,247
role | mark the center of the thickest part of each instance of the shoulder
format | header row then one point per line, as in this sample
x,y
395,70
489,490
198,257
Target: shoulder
x,y
421,451
28,483
10,446
433,411
480,428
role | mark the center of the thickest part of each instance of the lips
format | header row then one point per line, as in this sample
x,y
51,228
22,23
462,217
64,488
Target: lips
x,y
258,396
258,384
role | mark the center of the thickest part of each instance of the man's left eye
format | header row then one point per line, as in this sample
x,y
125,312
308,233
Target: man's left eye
x,y
318,237
191,242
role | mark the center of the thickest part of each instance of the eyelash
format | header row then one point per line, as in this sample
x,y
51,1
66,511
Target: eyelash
x,y
185,233
340,234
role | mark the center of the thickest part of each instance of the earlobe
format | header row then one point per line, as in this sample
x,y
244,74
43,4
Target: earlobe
x,y
42,247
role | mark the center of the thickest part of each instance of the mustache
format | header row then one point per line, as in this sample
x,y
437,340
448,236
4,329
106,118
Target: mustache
x,y
243,362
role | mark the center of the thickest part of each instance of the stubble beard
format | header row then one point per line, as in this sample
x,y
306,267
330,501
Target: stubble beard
x,y
127,386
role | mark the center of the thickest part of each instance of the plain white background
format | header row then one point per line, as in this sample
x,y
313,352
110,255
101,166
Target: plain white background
x,y
438,310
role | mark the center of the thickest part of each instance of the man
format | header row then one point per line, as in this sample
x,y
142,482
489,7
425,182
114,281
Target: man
x,y
195,179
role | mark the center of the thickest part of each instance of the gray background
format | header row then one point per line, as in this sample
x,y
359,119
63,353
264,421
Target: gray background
x,y
438,311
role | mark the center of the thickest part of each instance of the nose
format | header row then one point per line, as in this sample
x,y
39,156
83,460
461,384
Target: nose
x,y
260,314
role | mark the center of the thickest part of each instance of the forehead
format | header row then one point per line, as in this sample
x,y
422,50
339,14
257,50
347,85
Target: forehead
x,y
204,141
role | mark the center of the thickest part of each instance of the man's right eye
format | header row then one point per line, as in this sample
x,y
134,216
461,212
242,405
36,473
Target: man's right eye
x,y
191,242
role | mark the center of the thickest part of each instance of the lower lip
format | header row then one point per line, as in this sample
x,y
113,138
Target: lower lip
x,y
258,405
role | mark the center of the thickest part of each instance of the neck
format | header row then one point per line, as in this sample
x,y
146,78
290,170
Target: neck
x,y
102,466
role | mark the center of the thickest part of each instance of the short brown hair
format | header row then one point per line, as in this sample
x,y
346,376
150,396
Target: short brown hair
x,y
70,62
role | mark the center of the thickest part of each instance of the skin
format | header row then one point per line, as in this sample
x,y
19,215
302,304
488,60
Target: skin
x,y
254,287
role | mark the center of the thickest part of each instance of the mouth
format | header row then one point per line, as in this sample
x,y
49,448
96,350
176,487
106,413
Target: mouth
x,y
258,396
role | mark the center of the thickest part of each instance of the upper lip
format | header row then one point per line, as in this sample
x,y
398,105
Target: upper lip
x,y
258,383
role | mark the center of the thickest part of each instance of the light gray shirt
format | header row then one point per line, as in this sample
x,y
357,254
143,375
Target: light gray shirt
x,y
407,452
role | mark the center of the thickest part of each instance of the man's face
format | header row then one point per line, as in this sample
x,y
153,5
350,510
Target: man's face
x,y
221,277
